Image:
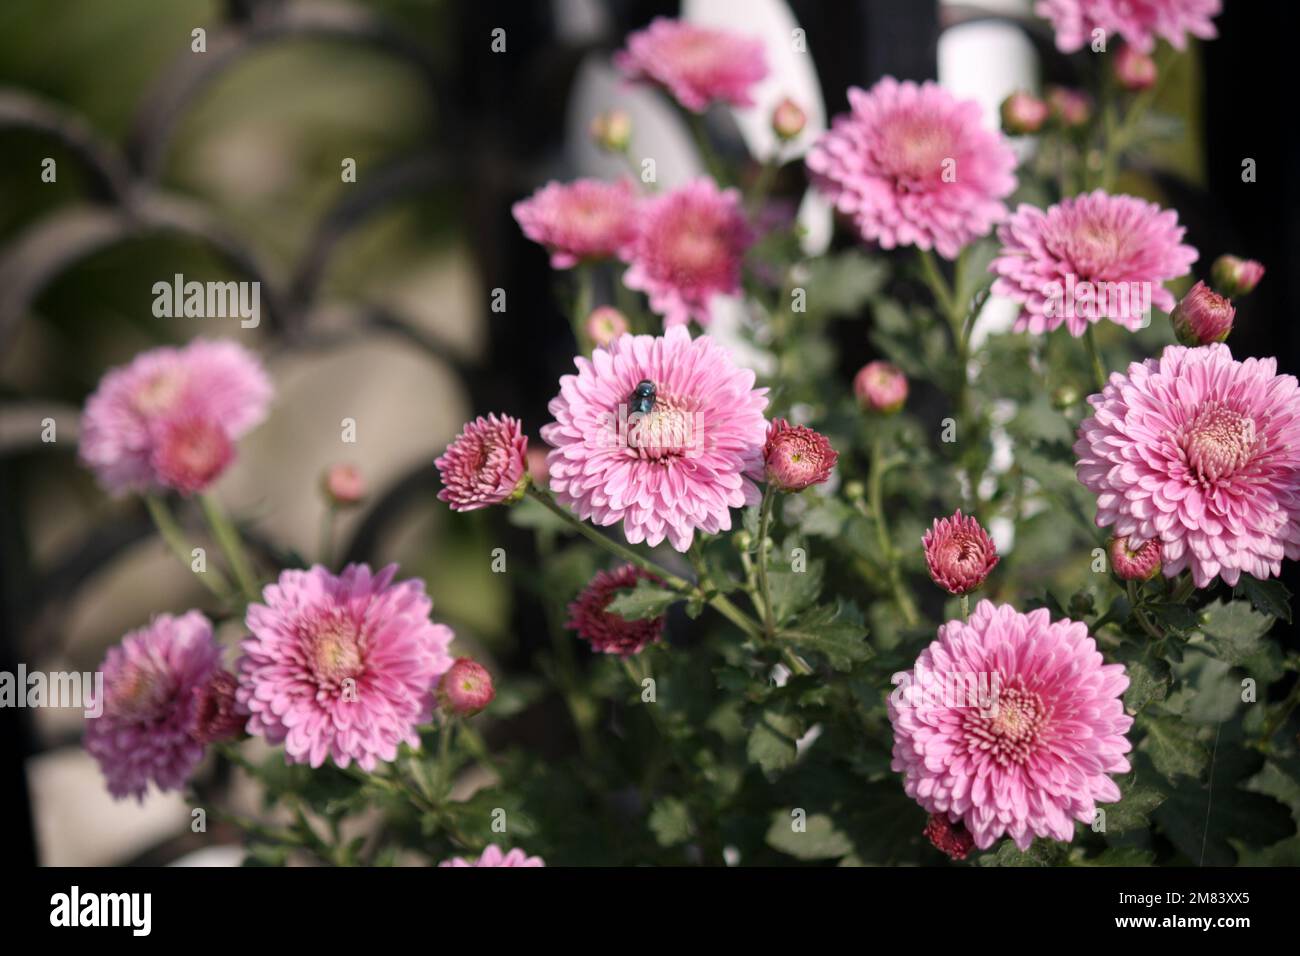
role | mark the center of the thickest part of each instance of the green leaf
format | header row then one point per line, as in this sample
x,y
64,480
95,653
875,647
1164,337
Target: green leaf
x,y
643,601
814,838
670,821
1148,682
1233,630
1172,746
1117,856
1204,822
793,591
1133,811
1268,597
834,631
772,741
1040,853
841,284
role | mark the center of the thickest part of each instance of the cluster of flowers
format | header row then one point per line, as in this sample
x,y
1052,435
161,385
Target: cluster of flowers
x,y
1193,455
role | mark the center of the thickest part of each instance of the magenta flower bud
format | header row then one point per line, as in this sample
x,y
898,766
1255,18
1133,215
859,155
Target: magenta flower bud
x,y
217,715
343,485
959,553
880,387
1140,565
1134,70
1203,316
1070,108
788,119
612,131
485,465
1023,113
466,688
950,838
605,324
795,456
1235,277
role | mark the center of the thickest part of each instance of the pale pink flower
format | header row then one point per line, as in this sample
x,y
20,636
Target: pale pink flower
x,y
1202,453
1236,277
1087,258
1023,113
695,65
344,485
880,387
152,682
682,466
959,553
171,417
1135,70
342,666
1139,22
494,856
605,324
913,166
605,631
580,221
690,249
796,457
1029,751
487,464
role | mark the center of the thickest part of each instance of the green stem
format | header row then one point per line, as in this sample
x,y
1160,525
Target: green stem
x,y
171,533
1094,356
1280,715
582,298
763,185
965,607
888,553
231,546
695,121
764,525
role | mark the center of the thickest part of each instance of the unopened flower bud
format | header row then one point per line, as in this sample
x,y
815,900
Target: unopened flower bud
x,y
343,485
1134,70
1235,277
880,387
795,456
605,324
959,553
466,688
1023,113
1065,396
1140,565
950,838
1071,108
612,130
788,119
1203,316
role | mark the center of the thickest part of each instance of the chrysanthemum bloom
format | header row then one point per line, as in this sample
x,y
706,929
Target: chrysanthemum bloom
x,y
1070,107
580,221
681,465
342,666
171,417
1235,277
696,65
1202,316
913,166
959,553
1023,113
493,856
344,485
605,324
146,731
880,387
1087,258
1200,452
1134,564
466,688
1134,69
217,713
690,248
1028,752
949,837
486,465
1139,22
796,456
606,632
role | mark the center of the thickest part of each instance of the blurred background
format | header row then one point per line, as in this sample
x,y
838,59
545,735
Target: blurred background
x,y
226,164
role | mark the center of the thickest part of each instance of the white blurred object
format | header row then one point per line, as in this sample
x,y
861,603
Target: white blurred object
x,y
212,856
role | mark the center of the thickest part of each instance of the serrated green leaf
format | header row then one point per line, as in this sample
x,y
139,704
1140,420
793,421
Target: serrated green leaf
x,y
1172,745
1040,853
643,601
1268,597
793,591
1133,811
772,741
670,821
813,838
835,632
1118,856
1148,683
1233,630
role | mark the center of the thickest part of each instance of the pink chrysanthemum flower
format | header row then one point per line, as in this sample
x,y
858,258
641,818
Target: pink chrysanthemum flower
x,y
696,65
146,733
606,632
171,417
486,465
1028,751
582,220
342,666
796,456
913,166
1202,453
1089,258
880,387
690,248
681,465
959,553
494,856
1139,22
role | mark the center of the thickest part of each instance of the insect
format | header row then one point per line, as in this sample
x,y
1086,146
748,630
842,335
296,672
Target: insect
x,y
642,398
